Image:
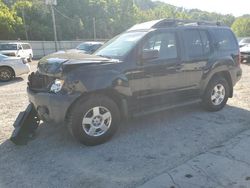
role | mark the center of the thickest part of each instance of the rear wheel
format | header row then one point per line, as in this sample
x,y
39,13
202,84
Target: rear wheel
x,y
94,120
216,94
6,74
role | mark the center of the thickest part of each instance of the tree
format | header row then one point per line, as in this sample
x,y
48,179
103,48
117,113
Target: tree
x,y
10,23
75,19
21,6
241,27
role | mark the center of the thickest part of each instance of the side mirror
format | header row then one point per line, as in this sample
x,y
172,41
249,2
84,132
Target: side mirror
x,y
150,54
20,48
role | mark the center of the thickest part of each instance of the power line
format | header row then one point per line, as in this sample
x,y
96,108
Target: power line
x,y
65,16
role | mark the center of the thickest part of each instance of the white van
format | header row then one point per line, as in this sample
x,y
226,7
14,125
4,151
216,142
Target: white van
x,y
18,49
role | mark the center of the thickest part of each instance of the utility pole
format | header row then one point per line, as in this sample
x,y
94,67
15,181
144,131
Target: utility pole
x,y
54,25
51,3
94,28
25,26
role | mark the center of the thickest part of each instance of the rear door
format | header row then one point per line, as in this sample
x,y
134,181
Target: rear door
x,y
198,51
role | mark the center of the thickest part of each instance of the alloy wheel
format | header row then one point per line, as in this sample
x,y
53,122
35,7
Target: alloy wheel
x,y
97,121
218,94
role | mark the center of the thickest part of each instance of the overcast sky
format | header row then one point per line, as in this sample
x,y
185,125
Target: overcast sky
x,y
235,7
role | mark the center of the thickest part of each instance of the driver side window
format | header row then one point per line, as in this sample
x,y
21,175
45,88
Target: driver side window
x,y
165,43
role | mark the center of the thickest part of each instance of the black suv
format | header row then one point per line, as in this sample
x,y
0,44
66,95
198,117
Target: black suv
x,y
151,67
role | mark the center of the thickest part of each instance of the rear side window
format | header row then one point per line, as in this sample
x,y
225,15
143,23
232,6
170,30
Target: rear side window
x,y
197,43
26,46
225,39
193,43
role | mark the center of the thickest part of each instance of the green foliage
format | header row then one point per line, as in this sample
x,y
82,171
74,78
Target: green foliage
x,y
22,5
241,26
75,19
9,22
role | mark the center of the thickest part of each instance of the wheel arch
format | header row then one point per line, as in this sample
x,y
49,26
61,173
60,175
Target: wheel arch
x,y
225,74
9,67
110,93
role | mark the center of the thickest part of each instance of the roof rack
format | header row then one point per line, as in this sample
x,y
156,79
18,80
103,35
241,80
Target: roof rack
x,y
176,22
173,23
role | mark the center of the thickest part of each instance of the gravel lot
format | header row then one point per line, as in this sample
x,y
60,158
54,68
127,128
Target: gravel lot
x,y
142,149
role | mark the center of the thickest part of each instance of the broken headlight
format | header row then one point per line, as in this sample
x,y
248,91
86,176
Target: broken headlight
x,y
57,86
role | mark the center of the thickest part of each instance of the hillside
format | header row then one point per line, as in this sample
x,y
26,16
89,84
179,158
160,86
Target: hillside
x,y
74,19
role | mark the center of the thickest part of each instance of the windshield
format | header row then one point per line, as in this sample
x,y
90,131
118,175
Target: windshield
x,y
8,47
119,46
86,47
247,40
2,56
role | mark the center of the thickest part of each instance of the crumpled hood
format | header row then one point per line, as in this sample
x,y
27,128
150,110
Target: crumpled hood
x,y
53,64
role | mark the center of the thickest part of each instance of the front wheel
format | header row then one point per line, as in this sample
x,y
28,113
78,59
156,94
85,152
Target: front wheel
x,y
94,120
216,94
6,74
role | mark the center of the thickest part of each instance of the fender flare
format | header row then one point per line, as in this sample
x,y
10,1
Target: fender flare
x,y
7,66
222,70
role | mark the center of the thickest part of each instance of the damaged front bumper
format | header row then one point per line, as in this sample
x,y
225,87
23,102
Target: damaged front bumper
x,y
51,107
44,106
25,125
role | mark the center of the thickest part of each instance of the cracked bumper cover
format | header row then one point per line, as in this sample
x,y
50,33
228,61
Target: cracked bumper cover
x,y
51,107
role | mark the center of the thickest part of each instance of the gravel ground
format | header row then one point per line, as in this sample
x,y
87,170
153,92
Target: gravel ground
x,y
142,149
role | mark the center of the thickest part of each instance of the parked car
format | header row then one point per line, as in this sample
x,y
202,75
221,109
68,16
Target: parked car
x,y
11,67
245,53
89,47
151,67
244,41
17,49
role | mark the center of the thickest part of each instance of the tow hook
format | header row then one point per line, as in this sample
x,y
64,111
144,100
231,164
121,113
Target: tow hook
x,y
25,125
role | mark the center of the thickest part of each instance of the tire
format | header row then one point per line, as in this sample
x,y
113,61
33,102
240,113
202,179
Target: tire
x,y
86,123
6,74
216,94
30,59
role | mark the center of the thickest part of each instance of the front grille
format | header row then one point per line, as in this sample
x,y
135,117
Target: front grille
x,y
38,82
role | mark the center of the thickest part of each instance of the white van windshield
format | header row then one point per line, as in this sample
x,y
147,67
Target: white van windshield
x,y
8,47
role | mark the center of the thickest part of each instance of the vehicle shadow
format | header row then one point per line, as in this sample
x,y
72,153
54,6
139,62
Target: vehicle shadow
x,y
15,80
141,148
